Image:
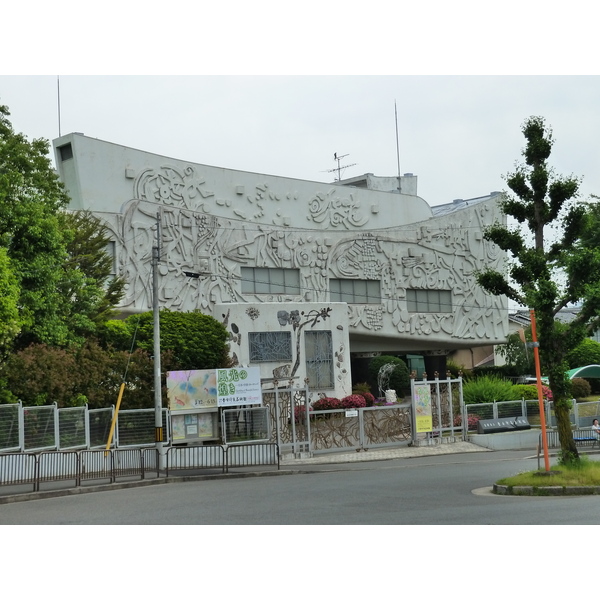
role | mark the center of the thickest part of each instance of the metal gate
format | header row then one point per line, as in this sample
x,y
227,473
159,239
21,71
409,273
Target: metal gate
x,y
437,411
297,429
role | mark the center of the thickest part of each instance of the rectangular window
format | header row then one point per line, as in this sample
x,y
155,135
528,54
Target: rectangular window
x,y
261,280
66,152
355,291
112,253
438,301
268,346
319,359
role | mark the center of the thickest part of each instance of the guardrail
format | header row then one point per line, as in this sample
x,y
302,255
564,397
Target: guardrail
x,y
35,469
86,465
581,437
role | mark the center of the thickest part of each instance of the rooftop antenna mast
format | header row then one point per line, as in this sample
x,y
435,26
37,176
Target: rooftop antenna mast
x,y
58,94
339,168
397,149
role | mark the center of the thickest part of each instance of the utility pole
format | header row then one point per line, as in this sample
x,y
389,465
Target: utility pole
x,y
158,420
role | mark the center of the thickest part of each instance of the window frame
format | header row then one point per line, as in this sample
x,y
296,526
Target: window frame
x,y
265,344
419,300
314,373
268,280
349,293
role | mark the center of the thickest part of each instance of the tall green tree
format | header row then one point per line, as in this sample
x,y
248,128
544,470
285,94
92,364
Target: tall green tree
x,y
552,265
10,322
89,287
30,198
53,261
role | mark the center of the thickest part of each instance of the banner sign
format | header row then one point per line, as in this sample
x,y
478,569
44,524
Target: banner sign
x,y
422,403
236,387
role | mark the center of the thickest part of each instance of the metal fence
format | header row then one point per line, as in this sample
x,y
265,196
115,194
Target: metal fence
x,y
35,469
44,428
581,414
19,469
530,409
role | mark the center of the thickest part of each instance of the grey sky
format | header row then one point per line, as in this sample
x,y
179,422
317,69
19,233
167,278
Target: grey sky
x,y
458,134
226,103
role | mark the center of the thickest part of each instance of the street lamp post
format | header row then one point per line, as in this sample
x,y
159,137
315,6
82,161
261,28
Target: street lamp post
x,y
158,419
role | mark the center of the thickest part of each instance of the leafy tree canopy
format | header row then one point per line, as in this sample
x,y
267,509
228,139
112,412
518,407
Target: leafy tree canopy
x,y
30,198
54,262
553,266
88,283
586,353
196,341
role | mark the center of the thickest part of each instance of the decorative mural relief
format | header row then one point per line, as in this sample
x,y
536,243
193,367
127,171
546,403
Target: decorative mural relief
x,y
184,187
335,211
443,253
171,186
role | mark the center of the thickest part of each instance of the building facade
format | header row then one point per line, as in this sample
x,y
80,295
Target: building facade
x,y
310,278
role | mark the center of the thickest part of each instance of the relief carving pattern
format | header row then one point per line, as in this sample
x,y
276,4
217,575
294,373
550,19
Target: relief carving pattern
x,y
445,253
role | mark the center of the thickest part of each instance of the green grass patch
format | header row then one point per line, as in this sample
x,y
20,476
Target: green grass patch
x,y
586,473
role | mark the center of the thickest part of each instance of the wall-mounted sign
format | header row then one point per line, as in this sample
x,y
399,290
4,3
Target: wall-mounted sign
x,y
422,404
237,387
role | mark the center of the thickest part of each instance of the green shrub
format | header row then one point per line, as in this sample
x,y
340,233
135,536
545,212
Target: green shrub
x,y
455,368
399,378
487,389
524,391
580,388
361,388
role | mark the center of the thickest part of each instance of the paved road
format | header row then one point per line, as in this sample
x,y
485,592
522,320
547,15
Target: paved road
x,y
446,490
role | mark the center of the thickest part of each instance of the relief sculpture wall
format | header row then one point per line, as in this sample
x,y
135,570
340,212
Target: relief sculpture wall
x,y
329,237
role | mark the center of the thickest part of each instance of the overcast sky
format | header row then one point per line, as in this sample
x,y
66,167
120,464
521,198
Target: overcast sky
x,y
258,88
458,134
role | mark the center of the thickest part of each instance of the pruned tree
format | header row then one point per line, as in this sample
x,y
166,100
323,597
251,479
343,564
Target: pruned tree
x,y
553,264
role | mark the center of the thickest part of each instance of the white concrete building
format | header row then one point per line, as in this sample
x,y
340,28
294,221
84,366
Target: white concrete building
x,y
308,277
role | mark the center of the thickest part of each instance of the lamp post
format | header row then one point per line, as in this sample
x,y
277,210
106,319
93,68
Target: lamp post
x,y
158,420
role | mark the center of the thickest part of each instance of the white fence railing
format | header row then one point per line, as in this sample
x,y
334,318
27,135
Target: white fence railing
x,y
49,428
581,414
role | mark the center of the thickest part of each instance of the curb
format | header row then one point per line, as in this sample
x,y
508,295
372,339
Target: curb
x,y
123,485
546,490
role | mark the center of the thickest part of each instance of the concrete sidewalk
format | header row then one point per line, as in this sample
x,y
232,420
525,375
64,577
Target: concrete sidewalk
x,y
384,454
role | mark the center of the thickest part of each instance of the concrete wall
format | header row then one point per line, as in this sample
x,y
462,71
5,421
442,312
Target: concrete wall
x,y
510,440
214,221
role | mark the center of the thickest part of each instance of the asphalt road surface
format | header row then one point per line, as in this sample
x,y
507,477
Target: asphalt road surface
x,y
436,490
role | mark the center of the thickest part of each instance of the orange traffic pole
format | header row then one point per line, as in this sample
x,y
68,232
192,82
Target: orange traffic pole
x,y
536,356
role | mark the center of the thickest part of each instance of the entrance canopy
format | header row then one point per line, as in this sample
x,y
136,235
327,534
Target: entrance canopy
x,y
591,371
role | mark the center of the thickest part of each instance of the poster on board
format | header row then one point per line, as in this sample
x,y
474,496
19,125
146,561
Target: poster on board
x,y
237,387
422,403
188,390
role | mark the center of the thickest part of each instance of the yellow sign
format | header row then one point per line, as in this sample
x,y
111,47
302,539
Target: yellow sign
x,y
422,402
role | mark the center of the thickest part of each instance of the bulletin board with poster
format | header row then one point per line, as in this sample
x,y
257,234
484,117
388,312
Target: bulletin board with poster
x,y
192,397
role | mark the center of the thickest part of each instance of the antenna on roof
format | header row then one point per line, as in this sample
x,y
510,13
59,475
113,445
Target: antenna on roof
x,y
397,149
339,168
58,93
